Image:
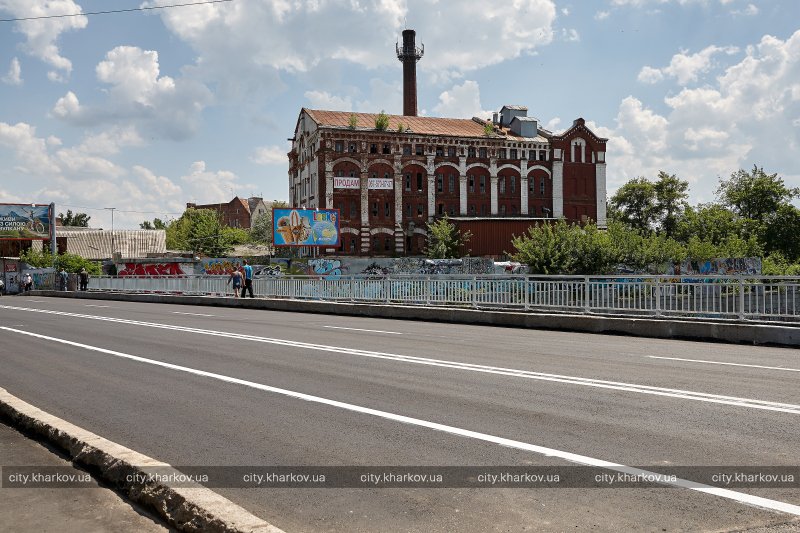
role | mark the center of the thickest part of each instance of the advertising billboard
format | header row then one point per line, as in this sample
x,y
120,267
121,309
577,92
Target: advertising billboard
x,y
24,221
305,227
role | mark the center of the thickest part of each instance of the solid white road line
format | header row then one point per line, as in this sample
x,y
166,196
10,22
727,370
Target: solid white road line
x,y
367,330
95,305
558,378
190,314
35,301
748,499
726,364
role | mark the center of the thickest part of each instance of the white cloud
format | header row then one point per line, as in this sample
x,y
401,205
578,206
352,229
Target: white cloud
x,y
601,15
206,187
750,11
570,35
109,142
42,35
159,106
685,68
565,11
326,101
14,76
241,44
461,101
29,150
270,155
712,131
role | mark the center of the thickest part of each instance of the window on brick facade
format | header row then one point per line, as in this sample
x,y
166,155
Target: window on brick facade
x,y
351,148
387,210
441,209
388,244
420,208
339,173
513,210
472,209
513,184
439,151
471,183
352,173
532,185
338,146
541,187
532,156
471,151
451,151
483,185
420,149
503,209
452,182
353,211
542,155
376,243
419,181
373,148
406,149
482,153
501,153
483,210
408,210
452,210
374,209
439,182
408,182
501,184
513,154
387,149
353,244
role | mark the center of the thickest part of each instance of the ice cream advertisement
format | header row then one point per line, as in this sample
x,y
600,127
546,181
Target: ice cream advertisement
x,y
305,227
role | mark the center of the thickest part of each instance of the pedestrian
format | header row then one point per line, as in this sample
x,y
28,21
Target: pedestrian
x,y
248,279
236,281
83,276
63,276
2,286
27,282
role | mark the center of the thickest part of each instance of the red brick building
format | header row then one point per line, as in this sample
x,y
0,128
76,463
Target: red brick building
x,y
238,213
490,176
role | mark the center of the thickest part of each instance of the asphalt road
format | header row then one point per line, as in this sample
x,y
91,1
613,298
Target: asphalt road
x,y
546,390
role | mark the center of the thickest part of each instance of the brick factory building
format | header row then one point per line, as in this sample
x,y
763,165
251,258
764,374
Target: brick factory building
x,y
494,177
238,213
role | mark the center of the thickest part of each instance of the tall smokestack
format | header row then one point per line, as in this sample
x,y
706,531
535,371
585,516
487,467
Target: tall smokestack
x,y
409,54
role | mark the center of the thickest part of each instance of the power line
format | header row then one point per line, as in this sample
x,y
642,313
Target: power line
x,y
120,210
150,8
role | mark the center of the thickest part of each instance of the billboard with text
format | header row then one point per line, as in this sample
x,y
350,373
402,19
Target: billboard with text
x,y
305,227
24,221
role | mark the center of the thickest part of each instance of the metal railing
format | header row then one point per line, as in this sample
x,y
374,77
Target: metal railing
x,y
718,297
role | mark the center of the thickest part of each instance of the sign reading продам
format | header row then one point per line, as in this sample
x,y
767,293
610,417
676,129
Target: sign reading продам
x,y
341,182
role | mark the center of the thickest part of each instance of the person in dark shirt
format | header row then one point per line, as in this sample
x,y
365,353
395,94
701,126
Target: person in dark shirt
x,y
248,279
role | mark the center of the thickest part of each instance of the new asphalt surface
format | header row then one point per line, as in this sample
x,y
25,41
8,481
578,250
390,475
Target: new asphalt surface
x,y
233,397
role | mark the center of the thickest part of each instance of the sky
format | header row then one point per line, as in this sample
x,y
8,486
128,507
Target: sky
x,y
149,109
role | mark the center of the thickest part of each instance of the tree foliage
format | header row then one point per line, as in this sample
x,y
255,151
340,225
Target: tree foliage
x,y
670,201
80,220
634,204
157,223
382,121
70,262
444,240
201,231
755,195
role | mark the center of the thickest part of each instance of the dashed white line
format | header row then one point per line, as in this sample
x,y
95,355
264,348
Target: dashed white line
x,y
36,301
190,314
747,499
95,305
367,330
724,363
513,372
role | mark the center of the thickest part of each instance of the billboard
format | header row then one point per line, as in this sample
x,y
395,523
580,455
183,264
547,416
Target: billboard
x,y
24,221
305,227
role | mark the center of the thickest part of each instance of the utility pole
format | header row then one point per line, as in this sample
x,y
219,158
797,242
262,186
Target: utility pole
x,y
113,244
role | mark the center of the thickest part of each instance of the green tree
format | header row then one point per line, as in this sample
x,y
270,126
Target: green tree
x,y
382,121
634,204
69,262
670,201
352,121
781,232
201,231
445,241
709,222
157,223
80,220
755,195
262,230
547,248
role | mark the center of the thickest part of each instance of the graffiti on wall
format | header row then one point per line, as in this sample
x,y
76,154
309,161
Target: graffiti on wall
x,y
326,268
220,267
151,269
742,266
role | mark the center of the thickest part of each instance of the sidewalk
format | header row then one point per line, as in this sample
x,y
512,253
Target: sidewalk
x,y
67,510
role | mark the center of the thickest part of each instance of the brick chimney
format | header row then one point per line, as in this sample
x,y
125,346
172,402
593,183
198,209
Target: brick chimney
x,y
409,54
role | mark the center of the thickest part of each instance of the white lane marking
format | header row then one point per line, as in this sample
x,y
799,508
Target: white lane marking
x,y
727,364
36,301
573,380
95,305
367,330
190,314
549,452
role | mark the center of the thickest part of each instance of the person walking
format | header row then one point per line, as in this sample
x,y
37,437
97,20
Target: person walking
x,y
248,279
27,282
236,281
83,277
63,276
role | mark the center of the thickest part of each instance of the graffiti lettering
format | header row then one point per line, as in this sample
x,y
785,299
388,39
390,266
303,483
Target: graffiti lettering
x,y
154,269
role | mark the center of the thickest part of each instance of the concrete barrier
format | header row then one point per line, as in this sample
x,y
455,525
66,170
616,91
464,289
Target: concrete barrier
x,y
778,334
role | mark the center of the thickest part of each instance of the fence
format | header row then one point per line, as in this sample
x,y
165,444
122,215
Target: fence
x,y
723,297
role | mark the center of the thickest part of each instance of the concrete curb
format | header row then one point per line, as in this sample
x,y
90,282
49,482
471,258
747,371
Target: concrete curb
x,y
192,509
663,328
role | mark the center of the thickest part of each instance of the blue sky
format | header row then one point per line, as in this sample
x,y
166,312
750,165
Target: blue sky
x,y
146,111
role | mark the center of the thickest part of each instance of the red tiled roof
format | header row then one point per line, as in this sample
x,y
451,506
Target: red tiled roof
x,y
457,127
